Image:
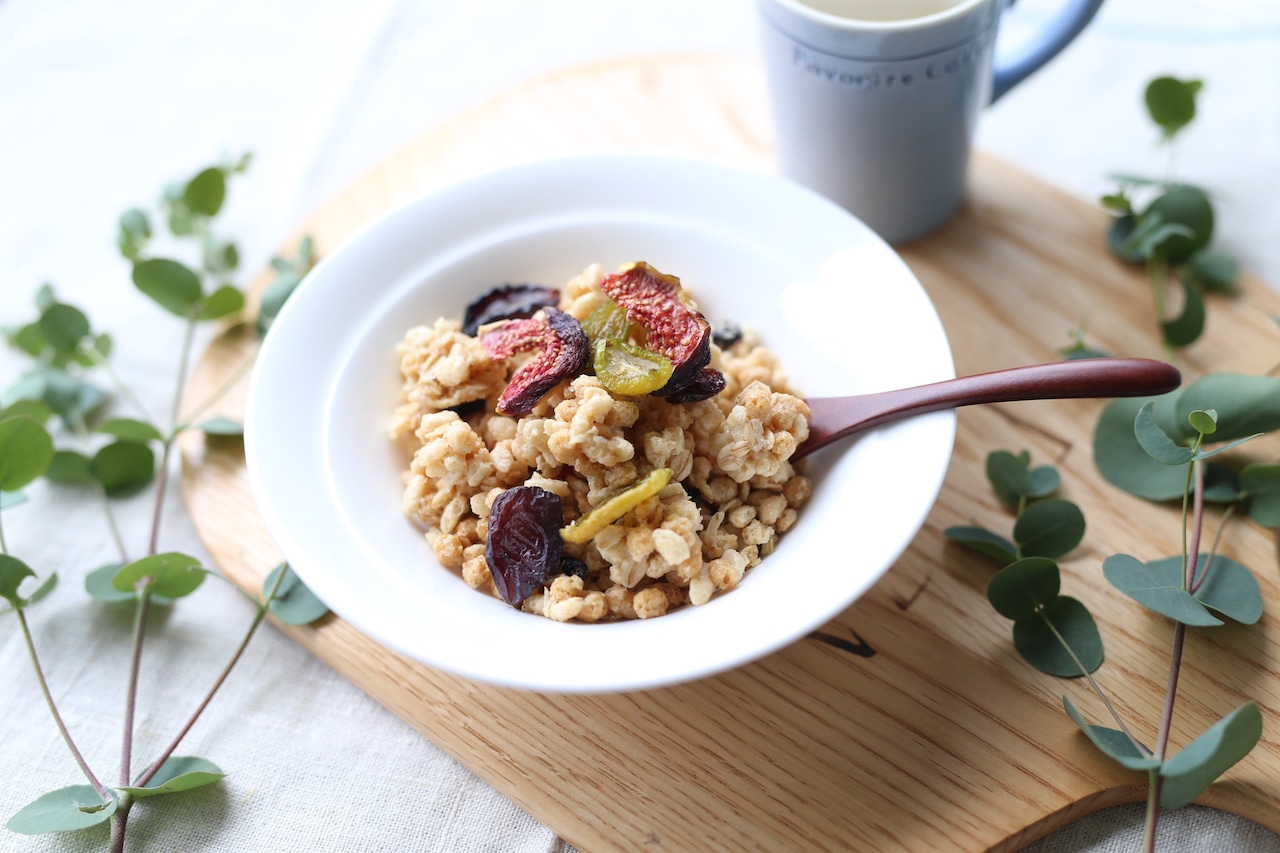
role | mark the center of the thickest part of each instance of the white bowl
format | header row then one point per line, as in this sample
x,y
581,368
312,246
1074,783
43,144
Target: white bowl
x,y
840,308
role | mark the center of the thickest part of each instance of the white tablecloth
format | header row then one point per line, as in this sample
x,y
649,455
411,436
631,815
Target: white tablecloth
x,y
102,103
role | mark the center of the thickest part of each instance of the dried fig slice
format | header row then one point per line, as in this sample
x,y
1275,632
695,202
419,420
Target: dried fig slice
x,y
673,328
524,545
507,302
563,355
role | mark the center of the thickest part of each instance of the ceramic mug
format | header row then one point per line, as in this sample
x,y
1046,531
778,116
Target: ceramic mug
x,y
875,101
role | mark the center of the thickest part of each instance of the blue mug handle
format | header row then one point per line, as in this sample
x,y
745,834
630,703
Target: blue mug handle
x,y
1055,37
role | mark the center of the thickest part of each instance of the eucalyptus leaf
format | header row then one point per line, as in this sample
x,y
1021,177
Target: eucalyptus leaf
x,y
38,410
12,499
1221,484
1156,590
984,542
1118,234
12,573
1121,460
1213,271
98,583
1112,743
223,301
221,426
63,810
1009,476
135,230
63,327
293,603
169,283
1171,103
128,429
172,574
1049,528
1152,236
1186,775
205,192
1186,208
1188,326
70,468
26,451
1044,481
45,297
1021,588
1156,442
1205,454
1062,628
1245,404
44,589
1260,484
123,467
178,773
29,339
1229,588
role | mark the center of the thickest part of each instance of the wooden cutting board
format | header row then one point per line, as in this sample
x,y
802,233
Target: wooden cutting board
x,y
909,722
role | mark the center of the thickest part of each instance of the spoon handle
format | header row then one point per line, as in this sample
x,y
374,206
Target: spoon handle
x,y
834,418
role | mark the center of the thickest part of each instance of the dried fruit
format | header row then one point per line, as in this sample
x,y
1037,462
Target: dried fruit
x,y
726,334
586,527
573,566
672,327
507,302
708,383
608,322
629,370
524,544
563,355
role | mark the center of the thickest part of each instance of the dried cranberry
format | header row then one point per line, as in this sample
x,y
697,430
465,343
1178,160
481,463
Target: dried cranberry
x,y
524,544
672,328
708,383
508,302
563,355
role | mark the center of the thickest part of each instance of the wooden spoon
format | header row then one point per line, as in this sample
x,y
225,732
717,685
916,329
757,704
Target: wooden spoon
x,y
834,418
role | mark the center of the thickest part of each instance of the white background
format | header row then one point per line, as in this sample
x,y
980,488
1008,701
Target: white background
x,y
102,103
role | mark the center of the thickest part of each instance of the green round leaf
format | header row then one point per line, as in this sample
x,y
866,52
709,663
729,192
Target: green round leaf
x,y
1188,326
45,297
1046,648
123,467
1044,481
1156,589
1187,774
223,301
170,284
1221,484
1214,271
1049,528
1019,589
1118,238
205,192
984,542
70,468
1122,461
128,429
26,452
178,773
28,338
12,573
1172,102
1113,743
134,222
293,603
1155,441
44,589
1205,423
1261,485
1188,207
98,583
1229,589
63,327
63,810
173,574
1009,476
38,410
1245,404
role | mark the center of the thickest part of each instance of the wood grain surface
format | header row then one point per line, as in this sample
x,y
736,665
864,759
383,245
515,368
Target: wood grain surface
x,y
909,722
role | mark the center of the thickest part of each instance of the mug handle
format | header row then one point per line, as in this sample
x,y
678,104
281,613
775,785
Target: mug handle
x,y
1057,35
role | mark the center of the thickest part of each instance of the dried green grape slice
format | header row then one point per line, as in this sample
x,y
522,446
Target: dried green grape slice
x,y
629,370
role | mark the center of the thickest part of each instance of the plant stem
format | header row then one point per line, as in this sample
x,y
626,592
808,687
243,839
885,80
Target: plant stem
x,y
191,721
4,549
162,483
139,632
1142,750
53,709
221,391
1153,811
111,525
162,476
1158,275
1197,582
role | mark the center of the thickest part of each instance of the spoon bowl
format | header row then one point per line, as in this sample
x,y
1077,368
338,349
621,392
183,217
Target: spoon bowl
x,y
834,418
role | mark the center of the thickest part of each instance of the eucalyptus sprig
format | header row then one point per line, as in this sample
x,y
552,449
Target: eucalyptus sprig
x,y
1167,224
1158,449
116,457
